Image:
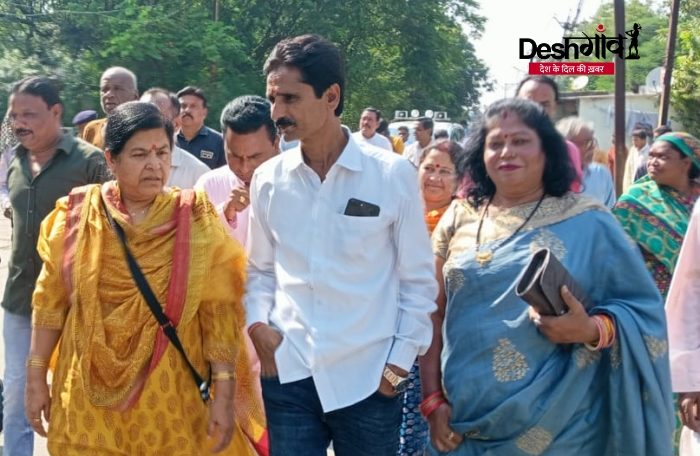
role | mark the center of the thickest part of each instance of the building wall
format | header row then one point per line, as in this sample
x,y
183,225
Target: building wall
x,y
599,110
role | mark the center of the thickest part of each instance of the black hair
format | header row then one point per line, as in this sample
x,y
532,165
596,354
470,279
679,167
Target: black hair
x,y
195,91
558,173
640,133
317,59
427,123
129,118
39,86
452,149
383,128
693,172
540,80
661,130
376,112
441,134
246,114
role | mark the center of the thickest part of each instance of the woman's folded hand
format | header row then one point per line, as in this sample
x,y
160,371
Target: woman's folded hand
x,y
442,435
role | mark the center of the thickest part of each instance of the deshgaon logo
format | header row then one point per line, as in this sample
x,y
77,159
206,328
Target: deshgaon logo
x,y
576,47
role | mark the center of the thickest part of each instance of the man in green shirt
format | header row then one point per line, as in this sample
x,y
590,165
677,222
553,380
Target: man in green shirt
x,y
47,165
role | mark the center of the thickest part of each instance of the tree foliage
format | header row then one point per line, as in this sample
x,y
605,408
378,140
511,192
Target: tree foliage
x,y
652,41
400,54
685,93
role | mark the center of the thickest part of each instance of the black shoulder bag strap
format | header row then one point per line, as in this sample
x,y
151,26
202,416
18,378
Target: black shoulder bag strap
x,y
154,305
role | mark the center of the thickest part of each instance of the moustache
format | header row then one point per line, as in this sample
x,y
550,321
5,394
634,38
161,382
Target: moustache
x,y
284,122
187,115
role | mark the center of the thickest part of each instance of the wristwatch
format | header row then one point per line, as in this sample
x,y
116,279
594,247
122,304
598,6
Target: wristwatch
x,y
399,383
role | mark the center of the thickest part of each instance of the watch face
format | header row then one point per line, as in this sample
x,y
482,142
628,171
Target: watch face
x,y
401,386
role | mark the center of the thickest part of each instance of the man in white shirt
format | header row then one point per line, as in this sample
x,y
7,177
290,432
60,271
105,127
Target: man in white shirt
x,y
423,132
638,155
250,138
369,121
185,169
341,280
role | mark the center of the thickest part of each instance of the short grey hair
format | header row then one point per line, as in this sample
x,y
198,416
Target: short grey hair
x,y
570,127
122,70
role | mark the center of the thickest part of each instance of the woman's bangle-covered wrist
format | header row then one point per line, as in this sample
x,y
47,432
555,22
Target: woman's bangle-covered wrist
x,y
606,332
37,362
431,403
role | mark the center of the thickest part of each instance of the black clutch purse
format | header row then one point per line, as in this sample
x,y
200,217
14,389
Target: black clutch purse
x,y
540,284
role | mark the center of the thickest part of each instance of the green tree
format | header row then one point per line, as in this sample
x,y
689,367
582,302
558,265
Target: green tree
x,y
652,41
399,53
685,89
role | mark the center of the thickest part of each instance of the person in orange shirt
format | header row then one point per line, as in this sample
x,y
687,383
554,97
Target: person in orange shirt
x,y
397,143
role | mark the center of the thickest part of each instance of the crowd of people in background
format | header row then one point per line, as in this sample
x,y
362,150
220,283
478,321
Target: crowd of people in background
x,y
284,285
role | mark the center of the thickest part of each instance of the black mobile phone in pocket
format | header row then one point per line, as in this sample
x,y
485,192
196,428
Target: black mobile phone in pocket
x,y
359,208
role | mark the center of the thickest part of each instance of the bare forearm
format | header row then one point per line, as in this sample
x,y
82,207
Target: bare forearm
x,y
430,374
44,342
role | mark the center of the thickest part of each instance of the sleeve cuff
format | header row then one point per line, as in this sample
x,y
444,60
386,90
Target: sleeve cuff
x,y
255,315
403,354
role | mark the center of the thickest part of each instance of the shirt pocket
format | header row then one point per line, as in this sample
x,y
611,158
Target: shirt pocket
x,y
361,238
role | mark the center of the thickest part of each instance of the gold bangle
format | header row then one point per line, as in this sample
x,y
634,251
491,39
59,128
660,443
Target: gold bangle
x,y
224,375
38,362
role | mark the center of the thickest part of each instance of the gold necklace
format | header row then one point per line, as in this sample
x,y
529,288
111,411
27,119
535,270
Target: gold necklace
x,y
139,212
485,257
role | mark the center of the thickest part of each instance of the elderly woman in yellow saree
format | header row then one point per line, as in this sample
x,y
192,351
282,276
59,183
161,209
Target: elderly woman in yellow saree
x,y
120,387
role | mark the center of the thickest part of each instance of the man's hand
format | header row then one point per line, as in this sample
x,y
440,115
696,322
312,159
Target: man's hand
x,y
386,388
238,200
266,340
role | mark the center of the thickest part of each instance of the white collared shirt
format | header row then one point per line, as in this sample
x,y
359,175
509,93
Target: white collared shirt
x,y
349,294
218,184
376,140
185,169
414,152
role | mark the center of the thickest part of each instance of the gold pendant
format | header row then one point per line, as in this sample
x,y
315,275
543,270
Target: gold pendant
x,y
484,258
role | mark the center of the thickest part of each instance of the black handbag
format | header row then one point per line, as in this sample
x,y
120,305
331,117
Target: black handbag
x,y
163,321
540,284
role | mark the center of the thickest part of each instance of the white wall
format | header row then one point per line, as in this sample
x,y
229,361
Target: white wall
x,y
599,108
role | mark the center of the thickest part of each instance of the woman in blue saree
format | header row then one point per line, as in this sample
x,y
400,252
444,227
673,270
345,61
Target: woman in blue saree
x,y
500,379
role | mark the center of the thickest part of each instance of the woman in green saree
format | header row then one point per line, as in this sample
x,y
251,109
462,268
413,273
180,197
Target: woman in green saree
x,y
655,210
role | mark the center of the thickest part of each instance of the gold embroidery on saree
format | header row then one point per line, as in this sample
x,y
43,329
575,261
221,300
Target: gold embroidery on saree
x,y
615,357
656,347
546,239
585,357
535,441
509,365
455,279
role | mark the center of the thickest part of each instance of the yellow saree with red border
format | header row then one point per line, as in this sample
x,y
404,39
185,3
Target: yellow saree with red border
x,y
119,388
